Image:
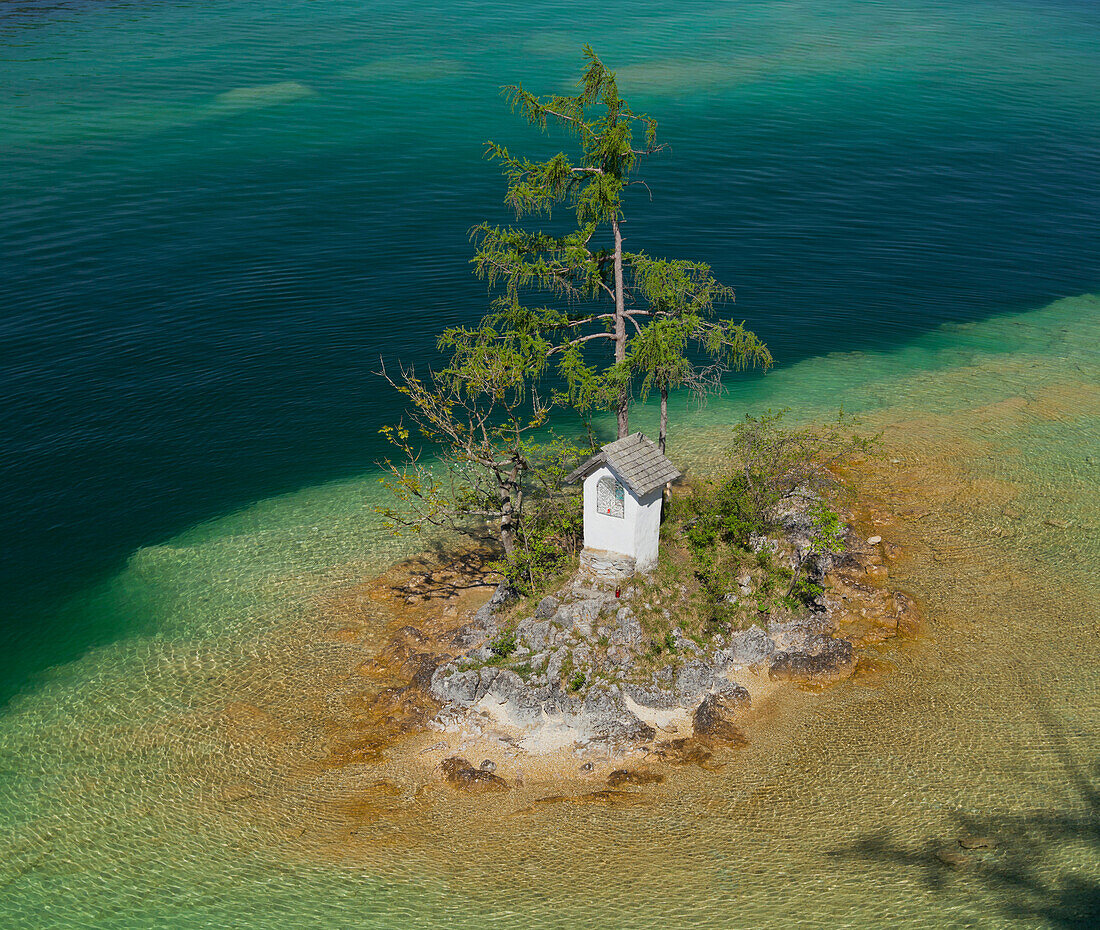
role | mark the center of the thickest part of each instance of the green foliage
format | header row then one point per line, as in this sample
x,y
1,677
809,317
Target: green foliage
x,y
576,681
504,644
547,545
777,461
496,473
767,463
681,297
609,294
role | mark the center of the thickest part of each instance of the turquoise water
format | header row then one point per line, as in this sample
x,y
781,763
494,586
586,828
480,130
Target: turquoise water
x,y
216,218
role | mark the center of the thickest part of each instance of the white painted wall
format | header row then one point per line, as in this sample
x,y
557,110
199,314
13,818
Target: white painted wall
x,y
647,530
636,533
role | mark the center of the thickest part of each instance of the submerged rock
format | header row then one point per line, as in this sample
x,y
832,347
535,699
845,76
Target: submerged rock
x,y
714,719
683,751
822,658
461,774
633,777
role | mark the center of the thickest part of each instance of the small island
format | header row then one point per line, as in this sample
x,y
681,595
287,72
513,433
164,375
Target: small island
x,y
642,606
665,666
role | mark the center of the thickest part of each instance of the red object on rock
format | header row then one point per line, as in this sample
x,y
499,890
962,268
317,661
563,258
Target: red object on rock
x,y
618,591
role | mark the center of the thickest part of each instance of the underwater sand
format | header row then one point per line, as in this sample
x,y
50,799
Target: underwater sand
x,y
177,777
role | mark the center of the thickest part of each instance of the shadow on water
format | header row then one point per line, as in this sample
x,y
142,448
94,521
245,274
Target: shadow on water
x,y
1039,866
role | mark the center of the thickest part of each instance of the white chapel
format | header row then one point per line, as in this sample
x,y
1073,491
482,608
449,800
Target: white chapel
x,y
623,491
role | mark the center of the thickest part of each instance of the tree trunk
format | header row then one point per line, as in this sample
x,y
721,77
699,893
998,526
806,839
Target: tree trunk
x,y
620,326
507,533
507,519
664,420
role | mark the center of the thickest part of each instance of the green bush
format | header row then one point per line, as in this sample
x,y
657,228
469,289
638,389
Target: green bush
x,y
505,644
546,546
765,463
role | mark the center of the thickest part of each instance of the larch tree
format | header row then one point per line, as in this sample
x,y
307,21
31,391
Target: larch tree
x,y
682,345
606,294
591,277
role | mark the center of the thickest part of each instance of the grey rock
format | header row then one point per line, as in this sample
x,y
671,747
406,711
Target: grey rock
x,y
451,685
481,654
620,657
553,667
579,616
630,630
652,697
750,647
547,606
488,765
611,721
695,677
792,633
523,703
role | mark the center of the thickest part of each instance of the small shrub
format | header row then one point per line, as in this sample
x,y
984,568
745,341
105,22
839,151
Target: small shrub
x,y
505,644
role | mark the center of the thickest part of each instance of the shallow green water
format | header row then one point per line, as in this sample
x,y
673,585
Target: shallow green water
x,y
203,210
111,807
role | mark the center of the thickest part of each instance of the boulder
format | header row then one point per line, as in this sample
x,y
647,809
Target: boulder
x,y
609,719
651,697
547,606
579,615
821,659
449,685
715,718
791,633
461,774
694,678
749,647
536,633
524,704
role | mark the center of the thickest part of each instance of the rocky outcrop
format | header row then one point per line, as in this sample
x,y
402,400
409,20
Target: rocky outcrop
x,y
607,663
820,658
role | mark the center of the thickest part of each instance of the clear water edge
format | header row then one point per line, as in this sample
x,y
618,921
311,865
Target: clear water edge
x,y
202,214
121,753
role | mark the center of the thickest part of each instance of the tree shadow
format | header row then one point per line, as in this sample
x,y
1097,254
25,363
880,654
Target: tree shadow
x,y
443,572
1021,857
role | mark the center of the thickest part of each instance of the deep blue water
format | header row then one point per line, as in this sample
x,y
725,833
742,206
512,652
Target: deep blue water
x,y
198,280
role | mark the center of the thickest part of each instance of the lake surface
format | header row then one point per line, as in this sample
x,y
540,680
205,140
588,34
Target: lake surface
x,y
216,219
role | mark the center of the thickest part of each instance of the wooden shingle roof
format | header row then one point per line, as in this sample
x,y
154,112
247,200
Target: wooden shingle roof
x,y
636,460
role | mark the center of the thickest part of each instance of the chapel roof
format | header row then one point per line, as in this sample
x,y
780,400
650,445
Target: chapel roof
x,y
636,460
